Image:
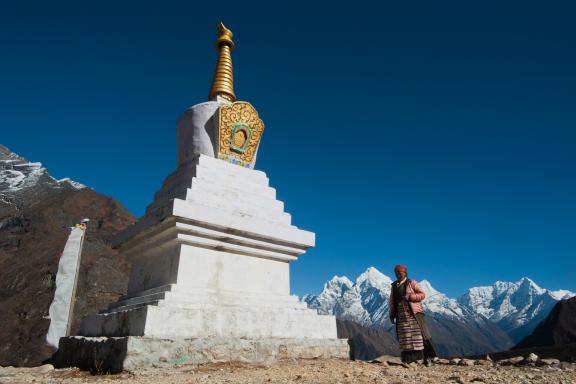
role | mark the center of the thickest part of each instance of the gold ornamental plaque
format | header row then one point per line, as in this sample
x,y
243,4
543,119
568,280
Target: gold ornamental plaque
x,y
239,133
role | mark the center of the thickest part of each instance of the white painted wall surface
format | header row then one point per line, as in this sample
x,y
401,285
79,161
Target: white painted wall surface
x,y
217,270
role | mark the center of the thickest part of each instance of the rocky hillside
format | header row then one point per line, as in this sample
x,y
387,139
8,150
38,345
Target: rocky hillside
x,y
558,329
367,343
35,210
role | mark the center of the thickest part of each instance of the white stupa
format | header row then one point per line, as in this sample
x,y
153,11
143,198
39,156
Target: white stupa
x,y
210,259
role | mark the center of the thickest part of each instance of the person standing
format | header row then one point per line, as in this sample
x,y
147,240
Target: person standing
x,y
407,313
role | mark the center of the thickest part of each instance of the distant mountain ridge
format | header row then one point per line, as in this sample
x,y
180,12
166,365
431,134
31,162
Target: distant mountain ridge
x,y
478,322
517,308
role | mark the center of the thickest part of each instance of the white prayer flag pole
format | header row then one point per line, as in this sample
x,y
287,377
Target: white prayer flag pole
x,y
62,308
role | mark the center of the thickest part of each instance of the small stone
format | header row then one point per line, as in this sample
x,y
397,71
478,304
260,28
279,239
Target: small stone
x,y
455,361
442,361
512,361
457,379
391,360
549,361
466,362
379,361
516,360
7,371
43,368
532,358
484,362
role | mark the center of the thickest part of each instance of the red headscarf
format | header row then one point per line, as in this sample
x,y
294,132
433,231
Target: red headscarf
x,y
400,268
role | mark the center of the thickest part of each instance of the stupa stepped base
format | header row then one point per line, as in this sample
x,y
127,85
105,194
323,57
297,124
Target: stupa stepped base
x,y
116,354
173,319
194,297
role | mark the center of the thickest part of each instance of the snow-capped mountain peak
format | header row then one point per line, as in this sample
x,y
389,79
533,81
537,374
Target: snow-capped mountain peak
x,y
18,174
561,294
427,288
374,278
338,281
336,286
438,303
515,307
333,290
501,286
21,179
529,286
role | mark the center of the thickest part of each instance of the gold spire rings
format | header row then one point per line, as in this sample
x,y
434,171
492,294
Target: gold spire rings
x,y
223,83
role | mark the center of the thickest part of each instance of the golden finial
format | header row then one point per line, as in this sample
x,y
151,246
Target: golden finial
x,y
223,83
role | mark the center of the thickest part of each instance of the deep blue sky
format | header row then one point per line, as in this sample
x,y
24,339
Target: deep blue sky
x,y
441,135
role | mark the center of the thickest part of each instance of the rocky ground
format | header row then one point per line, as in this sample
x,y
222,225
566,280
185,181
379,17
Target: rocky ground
x,y
312,371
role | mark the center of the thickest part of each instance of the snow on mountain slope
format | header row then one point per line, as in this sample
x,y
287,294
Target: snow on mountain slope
x,y
437,302
561,294
332,292
17,174
515,307
373,278
340,298
505,299
20,179
373,288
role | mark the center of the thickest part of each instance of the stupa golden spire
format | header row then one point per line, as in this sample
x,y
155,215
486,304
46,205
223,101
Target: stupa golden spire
x,y
223,83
